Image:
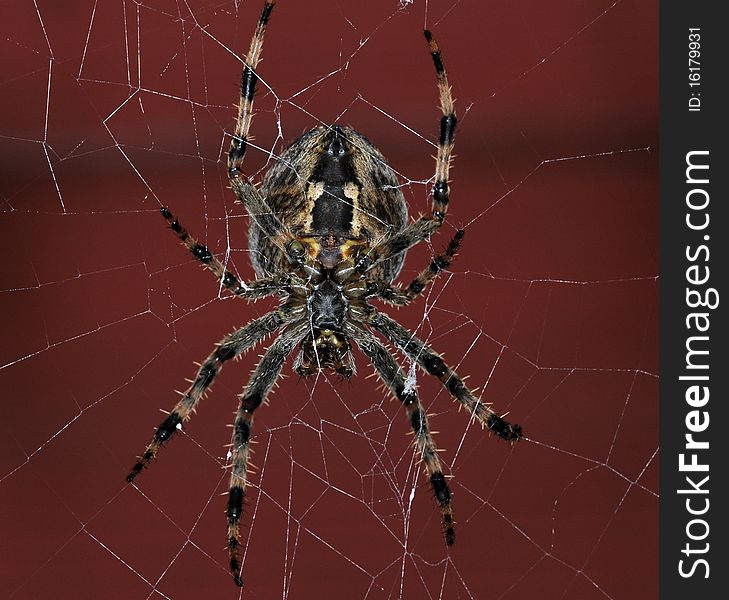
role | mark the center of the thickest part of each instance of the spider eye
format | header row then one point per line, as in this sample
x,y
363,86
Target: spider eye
x,y
296,249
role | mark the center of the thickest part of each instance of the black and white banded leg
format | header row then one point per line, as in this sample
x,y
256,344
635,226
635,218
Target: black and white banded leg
x,y
229,347
432,363
244,190
400,296
423,227
393,377
259,288
262,380
248,81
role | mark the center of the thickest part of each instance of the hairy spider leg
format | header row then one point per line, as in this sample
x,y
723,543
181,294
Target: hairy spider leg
x,y
432,363
260,288
229,347
394,294
423,227
256,391
441,191
393,377
249,79
244,190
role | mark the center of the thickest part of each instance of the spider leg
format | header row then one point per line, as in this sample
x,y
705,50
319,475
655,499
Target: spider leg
x,y
423,227
441,191
432,363
229,347
245,191
399,296
259,288
393,377
258,388
249,79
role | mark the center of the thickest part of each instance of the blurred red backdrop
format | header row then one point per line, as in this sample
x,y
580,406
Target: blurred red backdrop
x,y
111,109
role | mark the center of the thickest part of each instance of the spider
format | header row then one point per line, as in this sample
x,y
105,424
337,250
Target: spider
x,y
329,232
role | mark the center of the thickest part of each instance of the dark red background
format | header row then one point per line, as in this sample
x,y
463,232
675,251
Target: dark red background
x,y
552,302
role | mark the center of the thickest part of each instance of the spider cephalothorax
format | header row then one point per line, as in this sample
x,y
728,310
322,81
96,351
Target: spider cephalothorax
x,y
328,236
326,346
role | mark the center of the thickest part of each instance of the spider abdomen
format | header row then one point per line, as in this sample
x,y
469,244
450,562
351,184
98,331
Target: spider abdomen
x,y
333,188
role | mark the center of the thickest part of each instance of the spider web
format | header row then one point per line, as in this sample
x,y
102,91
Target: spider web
x,y
111,109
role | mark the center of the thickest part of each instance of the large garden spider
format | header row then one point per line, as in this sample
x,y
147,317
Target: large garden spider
x,y
328,233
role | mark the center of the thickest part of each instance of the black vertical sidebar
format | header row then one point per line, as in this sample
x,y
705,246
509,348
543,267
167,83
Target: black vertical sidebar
x,y
694,228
